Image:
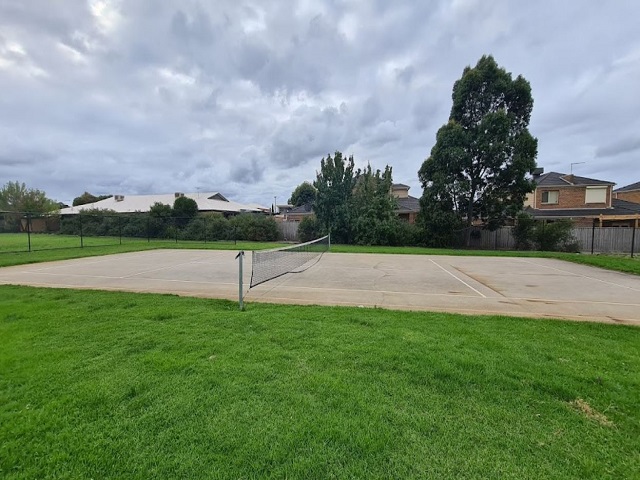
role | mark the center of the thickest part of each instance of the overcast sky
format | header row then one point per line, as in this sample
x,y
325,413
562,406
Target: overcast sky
x,y
245,98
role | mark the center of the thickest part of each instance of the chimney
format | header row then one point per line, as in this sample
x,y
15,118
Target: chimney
x,y
179,194
118,198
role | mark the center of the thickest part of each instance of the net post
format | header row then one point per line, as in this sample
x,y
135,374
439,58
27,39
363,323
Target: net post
x,y
329,241
239,257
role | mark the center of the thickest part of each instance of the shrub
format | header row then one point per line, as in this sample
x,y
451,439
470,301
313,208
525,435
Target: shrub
x,y
523,231
253,227
556,236
309,229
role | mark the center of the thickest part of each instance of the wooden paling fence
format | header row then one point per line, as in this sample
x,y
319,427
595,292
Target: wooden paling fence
x,y
591,240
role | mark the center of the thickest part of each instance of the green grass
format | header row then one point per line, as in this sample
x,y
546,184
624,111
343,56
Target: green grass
x,y
47,248
118,385
60,247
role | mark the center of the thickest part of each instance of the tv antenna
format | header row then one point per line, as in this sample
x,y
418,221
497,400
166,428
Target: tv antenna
x,y
575,163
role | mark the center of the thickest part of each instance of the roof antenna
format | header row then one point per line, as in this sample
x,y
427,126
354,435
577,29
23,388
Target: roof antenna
x,y
575,163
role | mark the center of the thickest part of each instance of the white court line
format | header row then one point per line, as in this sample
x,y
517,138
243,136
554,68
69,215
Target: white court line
x,y
422,294
389,292
581,275
459,279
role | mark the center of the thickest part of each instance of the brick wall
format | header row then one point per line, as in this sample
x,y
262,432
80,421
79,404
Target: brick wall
x,y
569,197
629,196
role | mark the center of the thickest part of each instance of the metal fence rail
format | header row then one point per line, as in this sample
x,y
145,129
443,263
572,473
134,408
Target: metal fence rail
x,y
27,232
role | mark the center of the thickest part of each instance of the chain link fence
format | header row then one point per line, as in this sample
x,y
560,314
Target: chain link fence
x,y
28,232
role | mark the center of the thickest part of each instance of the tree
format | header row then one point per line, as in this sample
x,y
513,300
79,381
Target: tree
x,y
334,183
304,193
185,207
373,207
86,198
16,197
478,167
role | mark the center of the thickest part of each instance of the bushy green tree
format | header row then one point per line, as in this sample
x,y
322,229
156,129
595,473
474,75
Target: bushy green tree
x,y
304,194
185,207
335,183
184,210
16,197
478,167
373,207
86,198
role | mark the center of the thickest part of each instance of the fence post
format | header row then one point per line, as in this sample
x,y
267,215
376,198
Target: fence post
x,y
633,239
204,228
81,236
175,227
593,234
239,257
29,230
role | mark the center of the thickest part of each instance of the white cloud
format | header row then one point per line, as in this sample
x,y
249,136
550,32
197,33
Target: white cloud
x,y
245,97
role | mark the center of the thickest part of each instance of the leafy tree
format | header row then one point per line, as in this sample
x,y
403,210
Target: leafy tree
x,y
335,183
86,198
305,193
373,207
16,197
184,209
160,210
478,167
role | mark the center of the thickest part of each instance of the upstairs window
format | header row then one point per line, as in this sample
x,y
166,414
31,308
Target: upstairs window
x,y
550,197
596,195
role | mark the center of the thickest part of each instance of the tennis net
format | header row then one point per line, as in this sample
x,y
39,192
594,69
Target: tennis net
x,y
269,264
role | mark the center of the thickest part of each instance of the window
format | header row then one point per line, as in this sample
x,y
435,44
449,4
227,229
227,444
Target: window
x,y
550,196
596,195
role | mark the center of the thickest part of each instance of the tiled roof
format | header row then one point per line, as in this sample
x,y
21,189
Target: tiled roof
x,y
408,204
555,179
306,208
629,188
207,202
619,207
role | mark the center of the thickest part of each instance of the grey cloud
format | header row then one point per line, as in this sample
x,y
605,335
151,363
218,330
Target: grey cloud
x,y
166,99
619,147
248,172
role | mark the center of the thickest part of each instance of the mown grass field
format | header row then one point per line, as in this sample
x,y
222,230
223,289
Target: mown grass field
x,y
47,248
59,247
118,385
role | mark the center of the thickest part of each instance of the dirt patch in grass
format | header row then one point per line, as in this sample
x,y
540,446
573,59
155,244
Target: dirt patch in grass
x,y
591,413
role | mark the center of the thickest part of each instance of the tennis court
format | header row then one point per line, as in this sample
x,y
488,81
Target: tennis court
x,y
472,285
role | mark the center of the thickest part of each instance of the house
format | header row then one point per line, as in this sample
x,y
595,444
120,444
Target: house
x,y
586,201
207,202
408,206
630,193
296,214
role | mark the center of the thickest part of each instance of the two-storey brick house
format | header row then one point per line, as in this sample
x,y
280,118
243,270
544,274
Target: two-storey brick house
x,y
584,200
630,193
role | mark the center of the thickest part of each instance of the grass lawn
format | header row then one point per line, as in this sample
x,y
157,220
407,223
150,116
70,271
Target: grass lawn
x,y
47,248
118,385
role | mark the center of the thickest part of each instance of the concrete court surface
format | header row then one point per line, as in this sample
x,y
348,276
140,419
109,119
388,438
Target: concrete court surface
x,y
535,287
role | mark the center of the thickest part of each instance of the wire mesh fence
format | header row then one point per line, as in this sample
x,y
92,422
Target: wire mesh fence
x,y
21,232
